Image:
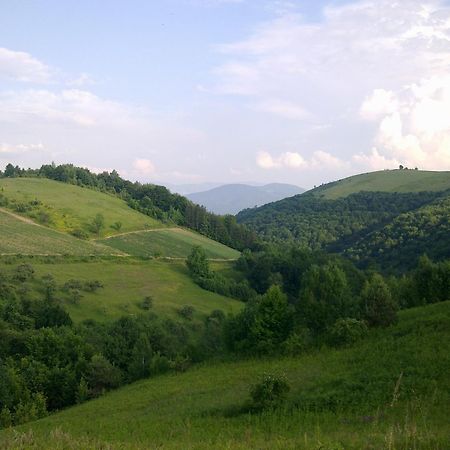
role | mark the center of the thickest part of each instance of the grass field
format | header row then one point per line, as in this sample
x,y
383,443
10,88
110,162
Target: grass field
x,y
126,283
387,181
391,391
71,207
19,237
176,242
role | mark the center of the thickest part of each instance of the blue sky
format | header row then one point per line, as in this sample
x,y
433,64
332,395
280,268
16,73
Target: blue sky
x,y
187,91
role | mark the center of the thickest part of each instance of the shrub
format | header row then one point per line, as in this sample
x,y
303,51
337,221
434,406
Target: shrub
x,y
24,272
270,392
187,312
79,233
147,303
92,285
116,226
347,331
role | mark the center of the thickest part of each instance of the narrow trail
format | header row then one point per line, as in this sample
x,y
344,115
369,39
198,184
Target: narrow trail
x,y
137,232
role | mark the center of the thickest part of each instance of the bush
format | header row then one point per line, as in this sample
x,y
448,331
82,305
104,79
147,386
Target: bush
x,y
270,392
187,312
147,303
79,233
346,332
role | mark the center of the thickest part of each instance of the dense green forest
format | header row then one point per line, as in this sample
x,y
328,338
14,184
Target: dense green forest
x,y
150,199
369,227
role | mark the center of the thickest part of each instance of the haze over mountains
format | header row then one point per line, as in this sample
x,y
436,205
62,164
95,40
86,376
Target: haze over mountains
x,y
232,198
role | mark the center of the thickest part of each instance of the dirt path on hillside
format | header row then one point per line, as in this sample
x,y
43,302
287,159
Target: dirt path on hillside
x,y
136,232
21,218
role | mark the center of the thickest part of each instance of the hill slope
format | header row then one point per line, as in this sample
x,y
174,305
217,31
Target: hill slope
x,y
232,198
347,214
389,391
386,181
26,238
67,207
170,242
61,208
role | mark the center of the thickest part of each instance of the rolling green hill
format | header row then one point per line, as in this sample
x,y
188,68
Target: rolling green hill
x,y
173,243
386,181
67,207
62,208
126,283
18,236
348,215
391,391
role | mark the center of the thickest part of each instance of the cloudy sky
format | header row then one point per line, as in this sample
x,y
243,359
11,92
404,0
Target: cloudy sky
x,y
189,91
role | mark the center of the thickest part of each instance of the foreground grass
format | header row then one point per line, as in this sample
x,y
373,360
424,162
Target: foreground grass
x,y
126,283
390,391
174,243
18,237
71,207
387,181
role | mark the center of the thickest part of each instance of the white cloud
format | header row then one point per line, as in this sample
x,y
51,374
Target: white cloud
x,y
293,160
417,131
6,148
379,103
144,167
21,66
285,109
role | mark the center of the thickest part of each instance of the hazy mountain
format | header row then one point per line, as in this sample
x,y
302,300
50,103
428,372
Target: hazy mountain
x,y
232,198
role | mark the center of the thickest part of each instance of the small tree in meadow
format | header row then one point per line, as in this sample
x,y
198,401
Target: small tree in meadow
x,y
270,393
197,263
98,223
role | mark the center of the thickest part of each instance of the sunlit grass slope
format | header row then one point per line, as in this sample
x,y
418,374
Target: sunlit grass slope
x,y
175,242
387,181
71,207
126,283
391,391
18,237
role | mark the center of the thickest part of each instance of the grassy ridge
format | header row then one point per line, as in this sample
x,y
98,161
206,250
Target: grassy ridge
x,y
19,237
386,181
126,283
176,242
71,207
390,391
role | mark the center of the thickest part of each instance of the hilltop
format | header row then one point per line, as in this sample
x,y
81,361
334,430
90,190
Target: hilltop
x,y
390,388
232,198
403,181
351,215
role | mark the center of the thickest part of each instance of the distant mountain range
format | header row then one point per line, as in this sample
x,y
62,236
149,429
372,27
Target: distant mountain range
x,y
232,198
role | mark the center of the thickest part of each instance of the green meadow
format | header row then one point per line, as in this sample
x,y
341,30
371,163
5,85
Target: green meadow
x,y
387,181
390,391
174,243
20,237
72,207
126,283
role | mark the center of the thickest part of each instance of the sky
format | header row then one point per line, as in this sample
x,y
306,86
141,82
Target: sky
x,y
226,91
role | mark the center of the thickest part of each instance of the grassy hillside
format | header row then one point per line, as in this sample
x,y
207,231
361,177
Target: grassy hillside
x,y
174,243
126,283
20,237
386,181
390,391
67,207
